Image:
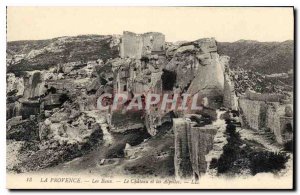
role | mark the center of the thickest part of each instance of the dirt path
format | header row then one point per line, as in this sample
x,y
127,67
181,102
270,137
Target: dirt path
x,y
255,136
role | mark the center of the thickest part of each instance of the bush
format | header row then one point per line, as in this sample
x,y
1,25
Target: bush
x,y
267,162
288,146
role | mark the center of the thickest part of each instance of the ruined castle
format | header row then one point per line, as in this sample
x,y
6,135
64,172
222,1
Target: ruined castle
x,y
146,63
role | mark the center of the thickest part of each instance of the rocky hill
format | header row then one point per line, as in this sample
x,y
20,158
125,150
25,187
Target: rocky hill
x,y
264,57
43,54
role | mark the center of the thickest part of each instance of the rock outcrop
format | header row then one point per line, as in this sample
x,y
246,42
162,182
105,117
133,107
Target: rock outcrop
x,y
193,142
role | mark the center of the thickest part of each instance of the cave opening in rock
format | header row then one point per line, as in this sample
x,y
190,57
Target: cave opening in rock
x,y
168,79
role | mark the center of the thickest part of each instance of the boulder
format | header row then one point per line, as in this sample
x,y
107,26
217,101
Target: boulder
x,y
187,48
14,85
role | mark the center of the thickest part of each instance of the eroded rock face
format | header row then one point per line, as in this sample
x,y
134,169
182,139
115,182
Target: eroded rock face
x,y
182,162
209,80
201,142
230,99
14,85
192,67
193,141
34,85
185,67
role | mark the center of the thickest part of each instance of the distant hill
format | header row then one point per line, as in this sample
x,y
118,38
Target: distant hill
x,y
264,57
42,54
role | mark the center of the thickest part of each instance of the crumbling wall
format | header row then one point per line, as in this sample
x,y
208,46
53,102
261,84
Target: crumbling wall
x,y
271,115
286,130
279,122
153,43
253,112
266,97
139,45
131,45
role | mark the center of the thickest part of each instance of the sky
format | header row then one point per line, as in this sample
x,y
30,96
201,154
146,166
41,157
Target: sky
x,y
226,24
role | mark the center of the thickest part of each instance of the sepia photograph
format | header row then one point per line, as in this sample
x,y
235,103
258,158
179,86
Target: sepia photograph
x,y
150,97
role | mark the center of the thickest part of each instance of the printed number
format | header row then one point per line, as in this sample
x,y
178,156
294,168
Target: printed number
x,y
29,179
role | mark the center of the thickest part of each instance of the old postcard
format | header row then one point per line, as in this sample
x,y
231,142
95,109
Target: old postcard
x,y
150,98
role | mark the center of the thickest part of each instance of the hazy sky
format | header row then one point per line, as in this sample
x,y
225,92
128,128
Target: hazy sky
x,y
177,23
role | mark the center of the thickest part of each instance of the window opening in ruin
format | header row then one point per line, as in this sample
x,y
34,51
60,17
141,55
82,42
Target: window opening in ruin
x,y
125,88
168,79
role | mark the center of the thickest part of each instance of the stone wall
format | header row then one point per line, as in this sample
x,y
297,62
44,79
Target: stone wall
x,y
139,45
253,112
272,116
267,97
279,123
272,119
